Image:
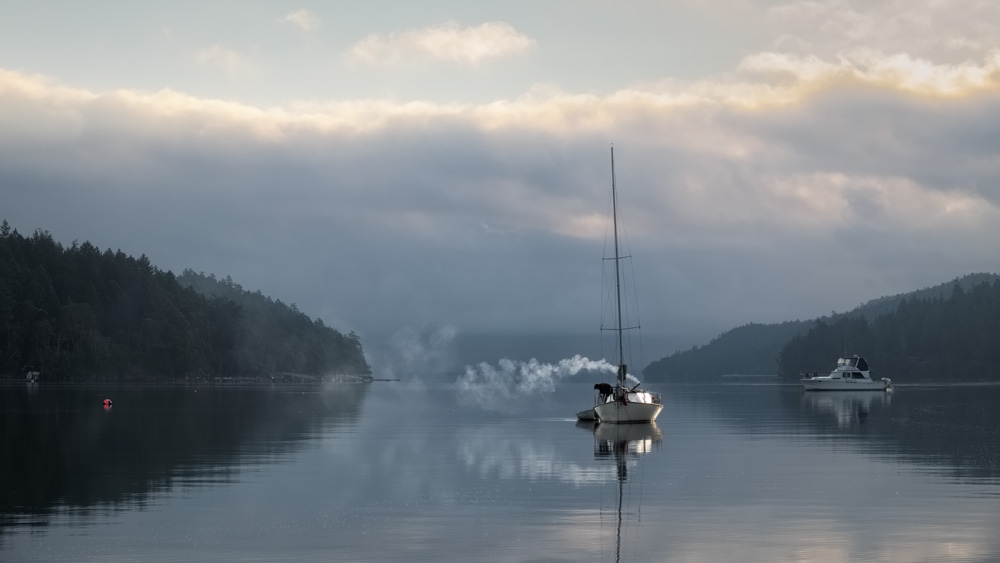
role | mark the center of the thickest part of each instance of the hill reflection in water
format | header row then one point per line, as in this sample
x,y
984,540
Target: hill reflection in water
x,y
62,450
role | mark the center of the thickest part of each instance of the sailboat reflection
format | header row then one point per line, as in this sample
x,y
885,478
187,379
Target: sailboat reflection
x,y
623,443
849,408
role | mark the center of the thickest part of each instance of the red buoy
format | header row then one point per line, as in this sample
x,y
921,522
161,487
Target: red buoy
x,y
107,402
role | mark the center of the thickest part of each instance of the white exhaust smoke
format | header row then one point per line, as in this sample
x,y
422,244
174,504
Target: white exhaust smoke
x,y
493,387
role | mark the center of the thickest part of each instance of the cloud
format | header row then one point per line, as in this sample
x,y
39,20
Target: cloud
x,y
898,71
739,191
304,19
448,42
230,61
943,31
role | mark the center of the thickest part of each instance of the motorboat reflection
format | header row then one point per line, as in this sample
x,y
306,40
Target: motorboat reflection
x,y
849,409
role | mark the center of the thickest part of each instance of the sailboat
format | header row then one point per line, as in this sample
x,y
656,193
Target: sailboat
x,y
621,403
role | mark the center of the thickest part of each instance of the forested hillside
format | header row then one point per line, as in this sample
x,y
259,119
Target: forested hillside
x,y
756,348
941,339
78,313
749,349
279,336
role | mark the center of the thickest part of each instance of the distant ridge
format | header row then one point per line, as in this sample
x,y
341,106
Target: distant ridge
x,y
754,349
888,304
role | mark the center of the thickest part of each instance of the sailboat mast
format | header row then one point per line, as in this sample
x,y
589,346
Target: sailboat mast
x,y
618,279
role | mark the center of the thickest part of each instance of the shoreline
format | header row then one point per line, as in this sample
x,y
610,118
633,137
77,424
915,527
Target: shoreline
x,y
221,382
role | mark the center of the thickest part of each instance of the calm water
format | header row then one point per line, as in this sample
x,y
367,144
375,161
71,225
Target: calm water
x,y
411,472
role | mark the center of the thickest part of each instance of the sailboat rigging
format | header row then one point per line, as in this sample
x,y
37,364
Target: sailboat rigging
x,y
621,403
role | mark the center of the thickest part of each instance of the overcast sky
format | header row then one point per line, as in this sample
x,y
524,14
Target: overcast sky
x,y
420,166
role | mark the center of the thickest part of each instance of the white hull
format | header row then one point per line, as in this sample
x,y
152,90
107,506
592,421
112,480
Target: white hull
x,y
633,412
829,384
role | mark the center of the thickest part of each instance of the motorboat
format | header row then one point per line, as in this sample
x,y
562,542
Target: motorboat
x,y
851,374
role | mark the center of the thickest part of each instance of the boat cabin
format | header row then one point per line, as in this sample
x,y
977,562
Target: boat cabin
x,y
32,374
856,362
848,375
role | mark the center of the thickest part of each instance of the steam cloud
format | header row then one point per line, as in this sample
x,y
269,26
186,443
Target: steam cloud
x,y
493,387
411,351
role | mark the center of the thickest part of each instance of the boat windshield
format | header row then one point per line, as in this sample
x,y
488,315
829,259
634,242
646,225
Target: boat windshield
x,y
856,361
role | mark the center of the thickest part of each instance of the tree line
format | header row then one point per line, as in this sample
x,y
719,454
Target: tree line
x,y
77,313
903,334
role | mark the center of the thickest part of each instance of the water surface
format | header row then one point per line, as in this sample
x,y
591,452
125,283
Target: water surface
x,y
408,471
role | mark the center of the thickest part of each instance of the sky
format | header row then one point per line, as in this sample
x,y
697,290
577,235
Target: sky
x,y
443,167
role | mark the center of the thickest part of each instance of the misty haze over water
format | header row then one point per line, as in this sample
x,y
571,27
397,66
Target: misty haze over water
x,y
442,353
